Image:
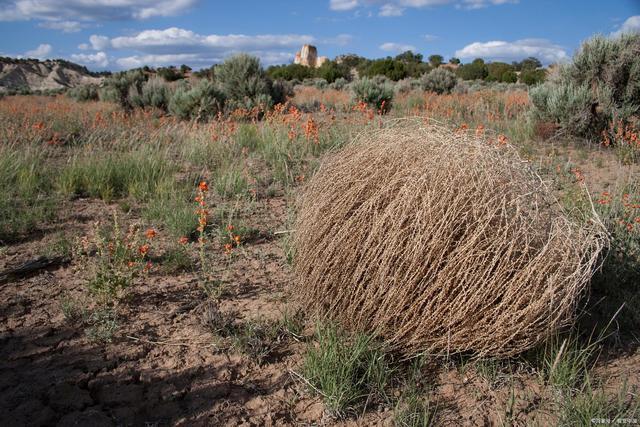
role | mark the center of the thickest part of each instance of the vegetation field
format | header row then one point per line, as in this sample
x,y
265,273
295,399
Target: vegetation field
x,y
146,262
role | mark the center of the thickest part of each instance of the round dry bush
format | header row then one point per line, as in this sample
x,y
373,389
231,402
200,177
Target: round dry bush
x,y
440,242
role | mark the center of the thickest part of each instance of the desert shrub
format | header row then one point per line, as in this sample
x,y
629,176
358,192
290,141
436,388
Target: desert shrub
x,y
439,80
601,85
281,90
154,93
243,82
200,102
84,93
374,94
440,243
320,83
407,85
123,88
568,104
339,84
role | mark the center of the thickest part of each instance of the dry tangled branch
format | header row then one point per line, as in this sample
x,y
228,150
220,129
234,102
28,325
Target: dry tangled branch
x,y
440,242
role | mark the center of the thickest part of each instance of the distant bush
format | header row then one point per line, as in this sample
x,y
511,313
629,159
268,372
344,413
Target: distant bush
x,y
394,70
339,84
199,102
373,93
601,85
439,80
155,93
532,77
84,93
123,88
320,83
407,85
243,82
477,70
281,90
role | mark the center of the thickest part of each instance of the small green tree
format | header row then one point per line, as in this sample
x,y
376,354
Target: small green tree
x,y
436,60
200,102
477,70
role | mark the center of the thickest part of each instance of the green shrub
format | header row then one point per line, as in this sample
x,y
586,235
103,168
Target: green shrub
x,y
84,93
568,104
123,88
199,103
339,84
477,70
601,85
372,93
155,93
439,80
281,90
244,83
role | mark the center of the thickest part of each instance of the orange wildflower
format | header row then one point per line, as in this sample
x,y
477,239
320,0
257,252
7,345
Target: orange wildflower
x,y
183,240
203,186
151,233
144,249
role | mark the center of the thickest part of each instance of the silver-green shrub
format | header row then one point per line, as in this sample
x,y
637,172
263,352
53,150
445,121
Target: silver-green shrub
x,y
439,80
199,103
372,93
84,93
243,82
601,84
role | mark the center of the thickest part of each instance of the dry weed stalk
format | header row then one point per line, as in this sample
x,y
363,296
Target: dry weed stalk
x,y
440,242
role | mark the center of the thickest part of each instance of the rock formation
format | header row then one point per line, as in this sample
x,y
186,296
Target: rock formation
x,y
33,74
308,56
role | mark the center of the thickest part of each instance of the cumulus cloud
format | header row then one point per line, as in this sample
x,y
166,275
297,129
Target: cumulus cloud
x,y
94,10
98,59
40,52
396,47
631,26
389,8
546,51
177,45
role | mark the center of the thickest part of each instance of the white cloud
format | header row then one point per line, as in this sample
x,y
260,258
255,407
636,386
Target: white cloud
x,y
343,4
631,25
175,39
195,60
99,42
479,4
396,47
397,7
339,40
430,37
40,52
64,26
390,9
178,45
94,10
98,59
542,49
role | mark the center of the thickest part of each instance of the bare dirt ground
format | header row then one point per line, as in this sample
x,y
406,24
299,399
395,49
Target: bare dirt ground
x,y
165,367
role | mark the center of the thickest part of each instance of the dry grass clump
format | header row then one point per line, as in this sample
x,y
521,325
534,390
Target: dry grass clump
x,y
440,242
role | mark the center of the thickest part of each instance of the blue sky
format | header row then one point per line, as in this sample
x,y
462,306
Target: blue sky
x,y
120,34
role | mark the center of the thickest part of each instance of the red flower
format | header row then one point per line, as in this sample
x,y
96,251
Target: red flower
x,y
203,186
183,240
151,233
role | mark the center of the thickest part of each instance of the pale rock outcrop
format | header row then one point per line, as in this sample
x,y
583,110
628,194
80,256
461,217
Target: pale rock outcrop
x,y
308,56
